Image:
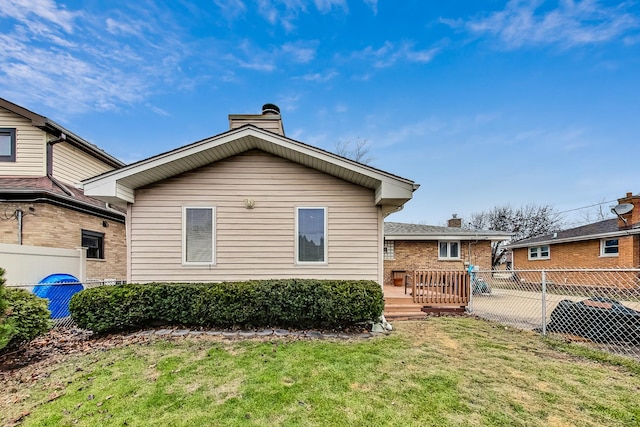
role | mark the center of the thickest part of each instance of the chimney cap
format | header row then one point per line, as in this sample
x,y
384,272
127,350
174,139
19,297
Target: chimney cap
x,y
270,109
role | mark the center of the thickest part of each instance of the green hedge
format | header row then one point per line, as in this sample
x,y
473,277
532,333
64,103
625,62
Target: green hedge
x,y
27,317
299,303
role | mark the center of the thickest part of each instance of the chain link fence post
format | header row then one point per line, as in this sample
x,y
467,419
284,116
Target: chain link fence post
x,y
544,303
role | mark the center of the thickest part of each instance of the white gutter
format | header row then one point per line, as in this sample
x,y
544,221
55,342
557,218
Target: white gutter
x,y
577,238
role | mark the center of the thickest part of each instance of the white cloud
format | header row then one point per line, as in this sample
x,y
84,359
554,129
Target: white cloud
x,y
319,77
572,23
391,53
373,4
325,6
302,52
25,11
44,61
231,9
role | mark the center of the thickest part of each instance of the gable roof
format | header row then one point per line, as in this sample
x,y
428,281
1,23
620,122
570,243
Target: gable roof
x,y
596,230
53,128
404,231
118,186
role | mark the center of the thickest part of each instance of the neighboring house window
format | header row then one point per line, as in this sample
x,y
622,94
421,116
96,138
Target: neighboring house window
x,y
609,247
311,232
94,242
198,235
7,145
449,250
539,252
389,250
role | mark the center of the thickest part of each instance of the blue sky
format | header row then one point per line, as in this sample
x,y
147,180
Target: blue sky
x,y
483,103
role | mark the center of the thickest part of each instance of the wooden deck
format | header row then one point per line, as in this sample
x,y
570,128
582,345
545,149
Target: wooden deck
x,y
427,291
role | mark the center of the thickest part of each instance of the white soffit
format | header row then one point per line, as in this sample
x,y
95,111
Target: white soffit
x,y
210,150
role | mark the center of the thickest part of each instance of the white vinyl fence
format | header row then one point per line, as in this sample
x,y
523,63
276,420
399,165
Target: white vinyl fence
x,y
30,264
597,307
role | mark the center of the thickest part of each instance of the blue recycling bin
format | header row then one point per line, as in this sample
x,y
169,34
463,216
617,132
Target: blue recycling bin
x,y
58,289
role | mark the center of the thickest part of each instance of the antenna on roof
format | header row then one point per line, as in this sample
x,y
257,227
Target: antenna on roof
x,y
621,209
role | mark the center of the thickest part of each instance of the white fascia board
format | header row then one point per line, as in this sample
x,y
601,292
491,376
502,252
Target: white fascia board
x,y
452,237
388,187
620,233
342,162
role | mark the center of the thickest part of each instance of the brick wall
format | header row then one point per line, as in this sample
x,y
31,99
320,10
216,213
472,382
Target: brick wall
x,y
423,255
59,227
585,254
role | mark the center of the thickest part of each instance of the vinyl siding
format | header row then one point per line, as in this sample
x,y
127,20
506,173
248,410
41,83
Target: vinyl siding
x,y
72,165
260,242
30,147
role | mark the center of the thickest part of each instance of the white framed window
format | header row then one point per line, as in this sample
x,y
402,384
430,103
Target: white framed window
x,y
198,235
7,145
94,242
539,252
448,250
609,247
389,250
311,235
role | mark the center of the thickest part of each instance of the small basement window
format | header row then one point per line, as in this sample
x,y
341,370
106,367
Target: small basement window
x,y
94,242
7,145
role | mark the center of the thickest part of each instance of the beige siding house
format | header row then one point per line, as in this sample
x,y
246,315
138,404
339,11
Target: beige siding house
x,y
41,166
251,203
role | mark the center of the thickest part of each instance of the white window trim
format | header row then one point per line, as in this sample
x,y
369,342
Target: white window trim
x,y
538,248
296,255
603,254
184,236
449,258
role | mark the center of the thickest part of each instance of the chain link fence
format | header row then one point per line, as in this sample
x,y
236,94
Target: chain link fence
x,y
598,307
59,295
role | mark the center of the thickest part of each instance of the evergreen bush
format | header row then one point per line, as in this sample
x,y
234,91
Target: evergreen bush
x,y
23,316
298,303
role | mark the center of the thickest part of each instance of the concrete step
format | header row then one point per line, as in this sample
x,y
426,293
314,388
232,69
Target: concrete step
x,y
405,315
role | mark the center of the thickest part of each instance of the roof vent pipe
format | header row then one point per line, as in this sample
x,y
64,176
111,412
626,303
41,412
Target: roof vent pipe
x,y
270,109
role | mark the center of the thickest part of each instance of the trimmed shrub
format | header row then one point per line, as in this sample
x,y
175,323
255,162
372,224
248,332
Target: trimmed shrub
x,y
6,329
27,316
300,303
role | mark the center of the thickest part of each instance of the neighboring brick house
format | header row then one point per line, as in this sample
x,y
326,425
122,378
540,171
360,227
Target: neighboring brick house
x,y
41,166
604,244
410,247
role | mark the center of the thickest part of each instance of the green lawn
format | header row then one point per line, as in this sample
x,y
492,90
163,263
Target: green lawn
x,y
440,372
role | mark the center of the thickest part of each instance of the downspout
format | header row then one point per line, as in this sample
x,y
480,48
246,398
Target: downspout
x,y
19,218
50,145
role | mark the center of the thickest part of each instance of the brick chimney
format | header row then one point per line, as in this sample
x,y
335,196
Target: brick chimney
x,y
455,222
632,217
270,119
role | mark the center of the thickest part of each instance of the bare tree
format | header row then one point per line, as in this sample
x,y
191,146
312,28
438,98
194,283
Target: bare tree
x,y
355,149
524,222
596,213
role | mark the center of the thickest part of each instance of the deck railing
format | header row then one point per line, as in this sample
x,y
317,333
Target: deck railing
x,y
440,287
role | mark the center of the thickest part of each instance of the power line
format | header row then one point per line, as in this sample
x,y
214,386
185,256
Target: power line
x,y
585,207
